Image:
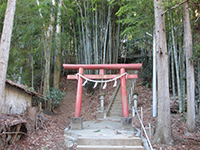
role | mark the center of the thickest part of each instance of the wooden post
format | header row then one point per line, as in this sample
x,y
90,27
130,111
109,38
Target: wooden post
x,y
124,94
79,94
150,131
142,121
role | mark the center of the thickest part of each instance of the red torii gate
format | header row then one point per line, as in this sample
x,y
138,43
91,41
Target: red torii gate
x,y
101,67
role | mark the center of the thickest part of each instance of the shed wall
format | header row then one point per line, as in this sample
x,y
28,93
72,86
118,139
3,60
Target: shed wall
x,y
16,100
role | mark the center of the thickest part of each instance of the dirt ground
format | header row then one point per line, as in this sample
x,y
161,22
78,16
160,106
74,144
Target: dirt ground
x,y
51,137
183,140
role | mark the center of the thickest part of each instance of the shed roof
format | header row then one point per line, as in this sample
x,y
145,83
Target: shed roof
x,y
24,88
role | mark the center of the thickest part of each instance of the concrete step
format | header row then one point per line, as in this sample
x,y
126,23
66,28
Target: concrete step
x,y
119,108
110,141
118,98
115,114
102,147
115,111
117,105
117,102
116,108
118,118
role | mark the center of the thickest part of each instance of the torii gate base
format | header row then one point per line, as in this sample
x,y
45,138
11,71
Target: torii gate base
x,y
77,121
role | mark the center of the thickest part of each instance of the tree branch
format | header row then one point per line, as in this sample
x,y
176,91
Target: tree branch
x,y
177,5
13,133
197,18
193,139
67,15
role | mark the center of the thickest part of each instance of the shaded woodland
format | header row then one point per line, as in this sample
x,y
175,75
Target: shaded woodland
x,y
49,33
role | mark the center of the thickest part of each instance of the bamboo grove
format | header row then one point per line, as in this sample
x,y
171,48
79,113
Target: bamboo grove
x,y
48,33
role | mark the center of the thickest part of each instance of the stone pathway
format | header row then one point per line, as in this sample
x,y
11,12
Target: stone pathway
x,y
105,134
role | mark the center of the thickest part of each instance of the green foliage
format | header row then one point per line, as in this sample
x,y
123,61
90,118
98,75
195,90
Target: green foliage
x,y
26,41
137,16
196,47
147,84
55,96
2,13
147,71
197,80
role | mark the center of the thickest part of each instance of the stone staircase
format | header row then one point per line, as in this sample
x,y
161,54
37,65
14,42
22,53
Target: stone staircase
x,y
103,135
109,143
115,111
116,107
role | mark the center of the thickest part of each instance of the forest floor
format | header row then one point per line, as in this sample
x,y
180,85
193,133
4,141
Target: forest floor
x,y
52,136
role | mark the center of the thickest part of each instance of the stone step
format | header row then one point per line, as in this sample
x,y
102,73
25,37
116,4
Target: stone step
x,y
120,114
118,98
115,111
118,118
117,102
102,147
110,141
115,114
116,107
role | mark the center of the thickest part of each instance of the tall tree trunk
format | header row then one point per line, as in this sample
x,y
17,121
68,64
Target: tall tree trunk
x,y
93,35
154,77
57,62
47,57
47,44
177,72
162,135
96,51
199,83
126,49
80,48
172,71
106,35
114,37
190,70
88,33
96,37
182,67
32,71
183,78
84,44
110,43
75,43
118,38
5,47
101,33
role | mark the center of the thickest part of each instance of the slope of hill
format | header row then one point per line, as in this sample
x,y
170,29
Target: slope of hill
x,y
52,136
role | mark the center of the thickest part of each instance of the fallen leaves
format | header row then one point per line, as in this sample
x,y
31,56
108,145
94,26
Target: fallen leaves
x,y
52,136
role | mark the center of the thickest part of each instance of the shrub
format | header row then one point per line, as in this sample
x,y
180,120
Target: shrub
x,y
55,97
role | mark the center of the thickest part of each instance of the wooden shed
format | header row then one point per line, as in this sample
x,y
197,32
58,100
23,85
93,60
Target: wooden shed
x,y
17,98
